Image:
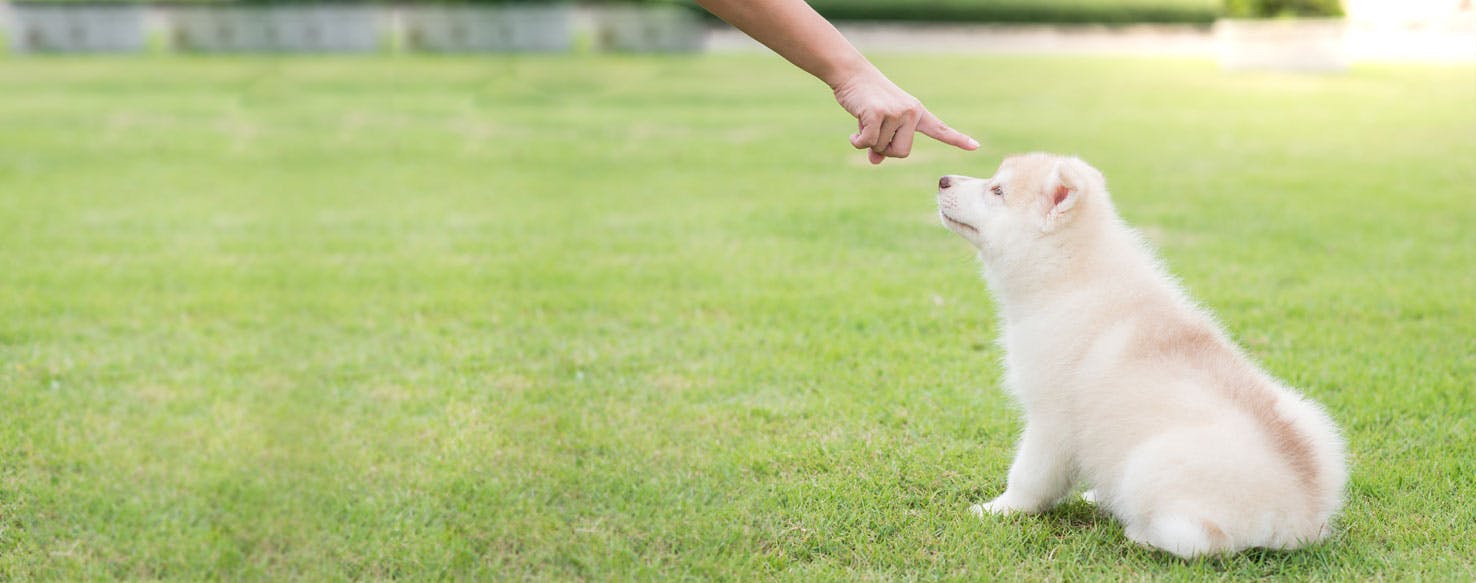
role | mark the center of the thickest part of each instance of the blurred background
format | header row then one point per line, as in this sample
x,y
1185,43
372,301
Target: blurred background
x,y
599,290
1351,30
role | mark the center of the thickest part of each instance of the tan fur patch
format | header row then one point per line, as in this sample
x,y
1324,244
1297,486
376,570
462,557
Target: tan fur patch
x,y
1201,348
1218,538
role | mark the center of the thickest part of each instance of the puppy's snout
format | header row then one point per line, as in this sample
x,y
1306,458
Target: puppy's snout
x,y
944,183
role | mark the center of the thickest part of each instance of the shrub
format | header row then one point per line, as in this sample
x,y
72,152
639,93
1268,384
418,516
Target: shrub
x,y
1022,11
1282,8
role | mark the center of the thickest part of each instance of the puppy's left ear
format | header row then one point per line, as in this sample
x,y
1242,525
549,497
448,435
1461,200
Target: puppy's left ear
x,y
1064,187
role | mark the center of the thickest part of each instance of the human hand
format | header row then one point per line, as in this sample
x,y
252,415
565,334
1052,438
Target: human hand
x,y
887,117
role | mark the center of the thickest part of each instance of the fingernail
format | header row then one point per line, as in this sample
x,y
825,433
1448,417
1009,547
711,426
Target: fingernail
x,y
973,143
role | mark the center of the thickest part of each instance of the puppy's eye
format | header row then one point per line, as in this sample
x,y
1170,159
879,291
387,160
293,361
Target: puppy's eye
x,y
997,190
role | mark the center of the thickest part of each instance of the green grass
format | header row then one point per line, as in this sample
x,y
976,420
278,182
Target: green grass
x,y
652,318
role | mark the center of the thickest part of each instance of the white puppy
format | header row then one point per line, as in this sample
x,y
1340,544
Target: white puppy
x,y
1127,385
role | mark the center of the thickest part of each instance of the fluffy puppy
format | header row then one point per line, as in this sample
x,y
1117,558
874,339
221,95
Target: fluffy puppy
x,y
1127,385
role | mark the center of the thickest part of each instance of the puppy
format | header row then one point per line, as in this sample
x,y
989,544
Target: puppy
x,y
1127,385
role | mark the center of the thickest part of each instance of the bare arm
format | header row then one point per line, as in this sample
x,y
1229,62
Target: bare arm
x,y
887,116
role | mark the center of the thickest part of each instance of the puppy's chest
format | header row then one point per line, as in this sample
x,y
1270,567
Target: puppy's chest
x,y
1042,367
1058,356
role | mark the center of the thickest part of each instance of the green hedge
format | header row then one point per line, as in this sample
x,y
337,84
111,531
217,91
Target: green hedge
x,y
1006,11
1021,11
1282,8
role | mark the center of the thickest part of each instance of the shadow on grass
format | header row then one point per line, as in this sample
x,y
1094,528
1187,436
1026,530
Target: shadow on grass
x,y
1088,524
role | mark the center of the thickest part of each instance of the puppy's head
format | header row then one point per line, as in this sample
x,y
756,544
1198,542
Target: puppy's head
x,y
1030,198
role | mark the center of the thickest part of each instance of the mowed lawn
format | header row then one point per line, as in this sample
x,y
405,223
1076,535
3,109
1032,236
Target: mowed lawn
x,y
652,318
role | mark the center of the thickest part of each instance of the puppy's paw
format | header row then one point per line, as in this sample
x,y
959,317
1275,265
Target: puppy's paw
x,y
1089,496
998,507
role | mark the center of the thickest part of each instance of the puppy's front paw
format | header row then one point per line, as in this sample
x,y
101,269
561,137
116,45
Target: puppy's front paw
x,y
998,507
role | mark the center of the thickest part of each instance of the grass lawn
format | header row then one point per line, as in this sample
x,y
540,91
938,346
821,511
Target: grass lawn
x,y
652,318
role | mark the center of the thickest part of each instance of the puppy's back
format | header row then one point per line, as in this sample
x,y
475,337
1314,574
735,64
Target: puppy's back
x,y
1249,463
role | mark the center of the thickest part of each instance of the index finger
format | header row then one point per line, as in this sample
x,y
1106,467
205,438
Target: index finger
x,y
934,128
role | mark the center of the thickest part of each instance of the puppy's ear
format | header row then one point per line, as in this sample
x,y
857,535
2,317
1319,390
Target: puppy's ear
x,y
1064,186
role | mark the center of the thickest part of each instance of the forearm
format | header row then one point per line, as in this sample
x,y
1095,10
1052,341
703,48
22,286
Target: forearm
x,y
886,115
795,31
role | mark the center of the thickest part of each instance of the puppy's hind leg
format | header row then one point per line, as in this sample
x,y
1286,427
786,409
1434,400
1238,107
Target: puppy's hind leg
x,y
1172,497
1039,477
1181,535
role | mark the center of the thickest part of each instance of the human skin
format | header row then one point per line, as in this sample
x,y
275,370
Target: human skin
x,y
887,116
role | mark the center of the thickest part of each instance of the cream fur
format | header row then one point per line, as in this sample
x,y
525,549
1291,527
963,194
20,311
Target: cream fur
x,y
1127,385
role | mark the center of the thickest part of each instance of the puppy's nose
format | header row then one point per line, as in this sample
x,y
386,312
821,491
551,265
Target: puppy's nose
x,y
944,183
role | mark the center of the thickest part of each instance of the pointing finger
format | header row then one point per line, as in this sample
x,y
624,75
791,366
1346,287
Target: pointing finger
x,y
934,128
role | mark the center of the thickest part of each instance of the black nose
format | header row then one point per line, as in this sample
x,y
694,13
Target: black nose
x,y
944,182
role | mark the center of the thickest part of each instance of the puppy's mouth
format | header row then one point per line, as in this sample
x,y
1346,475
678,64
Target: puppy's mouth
x,y
957,225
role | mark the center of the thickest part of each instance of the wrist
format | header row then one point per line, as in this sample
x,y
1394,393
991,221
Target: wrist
x,y
842,73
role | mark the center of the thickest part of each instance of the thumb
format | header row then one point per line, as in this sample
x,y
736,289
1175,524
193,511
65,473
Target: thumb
x,y
934,128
